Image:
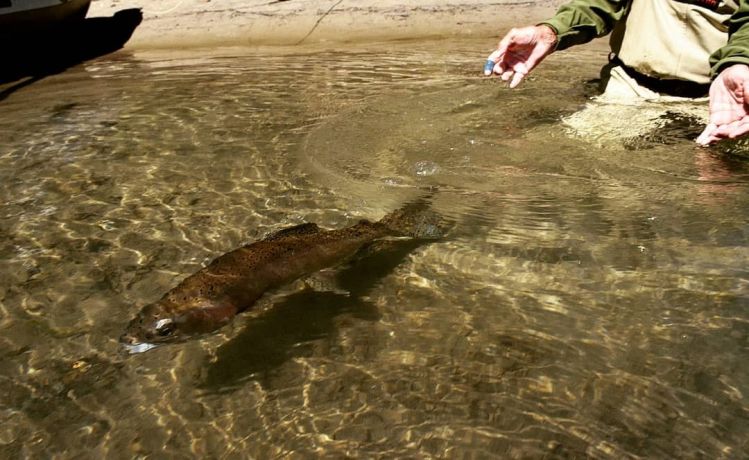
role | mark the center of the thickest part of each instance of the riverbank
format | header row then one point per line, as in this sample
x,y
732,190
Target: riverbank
x,y
186,23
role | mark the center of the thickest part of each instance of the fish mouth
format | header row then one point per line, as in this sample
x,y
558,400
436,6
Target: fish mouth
x,y
134,349
134,346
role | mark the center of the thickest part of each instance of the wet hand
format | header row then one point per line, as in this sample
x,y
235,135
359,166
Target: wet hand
x,y
729,105
519,52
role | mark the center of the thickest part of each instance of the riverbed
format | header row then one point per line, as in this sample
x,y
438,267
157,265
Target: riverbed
x,y
589,300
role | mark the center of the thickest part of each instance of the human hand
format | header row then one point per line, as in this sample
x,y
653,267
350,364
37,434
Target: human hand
x,y
520,51
729,105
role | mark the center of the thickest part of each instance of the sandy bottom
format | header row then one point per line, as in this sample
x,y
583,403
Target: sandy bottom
x,y
181,23
589,302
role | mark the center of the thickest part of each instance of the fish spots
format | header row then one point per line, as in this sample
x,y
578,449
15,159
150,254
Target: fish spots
x,y
231,283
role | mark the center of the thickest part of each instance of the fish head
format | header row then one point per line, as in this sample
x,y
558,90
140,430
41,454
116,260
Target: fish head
x,y
153,326
158,324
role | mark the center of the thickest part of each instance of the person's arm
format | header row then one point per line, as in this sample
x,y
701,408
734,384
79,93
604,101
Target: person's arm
x,y
736,51
580,21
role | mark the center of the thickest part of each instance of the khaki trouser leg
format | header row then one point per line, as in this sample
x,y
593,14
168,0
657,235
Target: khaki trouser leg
x,y
628,110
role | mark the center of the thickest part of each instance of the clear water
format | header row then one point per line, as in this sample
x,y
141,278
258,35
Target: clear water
x,y
591,301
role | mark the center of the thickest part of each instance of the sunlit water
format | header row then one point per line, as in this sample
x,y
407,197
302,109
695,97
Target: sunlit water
x,y
590,300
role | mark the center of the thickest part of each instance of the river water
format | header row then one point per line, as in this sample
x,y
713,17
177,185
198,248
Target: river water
x,y
590,300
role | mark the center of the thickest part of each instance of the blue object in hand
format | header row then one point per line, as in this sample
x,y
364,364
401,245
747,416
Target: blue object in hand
x,y
488,67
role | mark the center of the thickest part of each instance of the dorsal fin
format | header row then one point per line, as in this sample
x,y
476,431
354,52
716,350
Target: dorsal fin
x,y
301,229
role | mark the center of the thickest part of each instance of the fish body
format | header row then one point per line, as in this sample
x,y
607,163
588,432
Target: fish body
x,y
233,282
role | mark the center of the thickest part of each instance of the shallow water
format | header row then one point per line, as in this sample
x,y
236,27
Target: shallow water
x,y
590,301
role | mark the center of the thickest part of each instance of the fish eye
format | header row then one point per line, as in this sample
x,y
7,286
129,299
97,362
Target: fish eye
x,y
164,327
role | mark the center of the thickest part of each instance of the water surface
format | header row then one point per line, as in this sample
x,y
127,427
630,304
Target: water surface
x,y
590,301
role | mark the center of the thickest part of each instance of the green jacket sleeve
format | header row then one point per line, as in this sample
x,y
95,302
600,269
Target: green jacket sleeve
x,y
580,21
736,51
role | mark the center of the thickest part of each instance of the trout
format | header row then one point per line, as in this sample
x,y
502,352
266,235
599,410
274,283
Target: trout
x,y
208,299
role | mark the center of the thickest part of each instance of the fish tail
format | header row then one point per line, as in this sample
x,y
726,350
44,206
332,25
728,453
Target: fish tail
x,y
416,219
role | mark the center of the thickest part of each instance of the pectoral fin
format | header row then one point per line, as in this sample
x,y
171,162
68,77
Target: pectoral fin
x,y
325,281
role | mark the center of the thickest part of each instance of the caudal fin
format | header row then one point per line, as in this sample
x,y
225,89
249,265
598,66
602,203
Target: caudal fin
x,y
416,219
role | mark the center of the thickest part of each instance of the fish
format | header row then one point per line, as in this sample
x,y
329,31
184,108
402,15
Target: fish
x,y
211,297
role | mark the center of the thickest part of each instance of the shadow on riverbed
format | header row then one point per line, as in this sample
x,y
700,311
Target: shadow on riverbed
x,y
302,321
38,54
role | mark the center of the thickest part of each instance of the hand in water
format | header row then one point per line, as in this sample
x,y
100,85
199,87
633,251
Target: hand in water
x,y
519,52
729,105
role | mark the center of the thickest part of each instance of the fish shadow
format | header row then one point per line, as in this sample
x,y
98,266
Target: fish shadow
x,y
36,54
291,328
